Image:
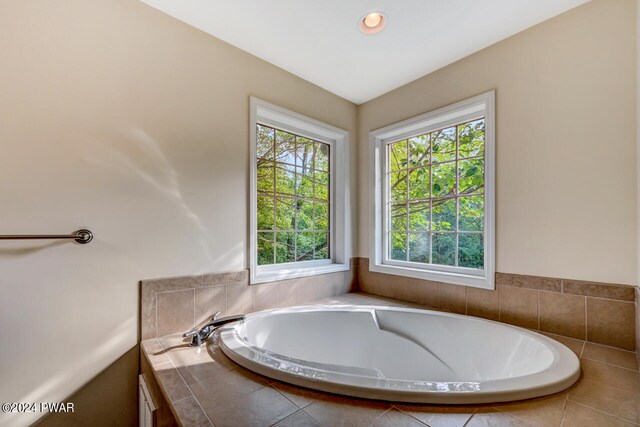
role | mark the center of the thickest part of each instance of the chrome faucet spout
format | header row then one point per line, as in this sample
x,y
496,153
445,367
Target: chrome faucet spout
x,y
199,336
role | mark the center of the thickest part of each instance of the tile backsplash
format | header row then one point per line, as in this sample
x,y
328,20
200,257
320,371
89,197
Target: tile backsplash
x,y
178,304
602,313
597,312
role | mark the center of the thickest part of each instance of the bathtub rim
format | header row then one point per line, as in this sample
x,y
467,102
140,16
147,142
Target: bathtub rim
x,y
557,377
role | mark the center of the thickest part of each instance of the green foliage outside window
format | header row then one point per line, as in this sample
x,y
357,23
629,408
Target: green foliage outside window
x,y
435,186
293,179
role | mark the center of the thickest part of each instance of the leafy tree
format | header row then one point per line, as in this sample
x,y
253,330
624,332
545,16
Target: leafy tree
x,y
293,197
435,187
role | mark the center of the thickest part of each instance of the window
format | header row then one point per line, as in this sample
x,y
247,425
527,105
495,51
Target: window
x,y
293,197
434,195
299,190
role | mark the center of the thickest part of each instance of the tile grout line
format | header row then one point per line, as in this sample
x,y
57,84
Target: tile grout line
x,y
608,364
226,299
466,300
155,299
289,400
173,291
606,299
538,308
466,423
586,321
286,418
499,304
564,409
600,411
190,391
609,346
510,414
380,415
584,344
408,414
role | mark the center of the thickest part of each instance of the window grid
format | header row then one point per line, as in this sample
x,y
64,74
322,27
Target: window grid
x,y
295,198
407,201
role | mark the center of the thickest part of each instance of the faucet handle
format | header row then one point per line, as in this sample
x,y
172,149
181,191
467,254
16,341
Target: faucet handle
x,y
215,316
196,339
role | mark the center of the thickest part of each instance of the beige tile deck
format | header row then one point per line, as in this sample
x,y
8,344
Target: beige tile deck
x,y
206,388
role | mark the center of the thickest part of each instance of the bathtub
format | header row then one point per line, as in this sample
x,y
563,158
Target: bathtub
x,y
400,354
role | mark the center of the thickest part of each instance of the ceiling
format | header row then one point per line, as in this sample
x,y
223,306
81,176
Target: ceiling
x,y
319,41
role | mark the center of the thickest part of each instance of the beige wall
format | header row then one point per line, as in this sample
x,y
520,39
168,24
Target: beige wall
x,y
116,117
566,159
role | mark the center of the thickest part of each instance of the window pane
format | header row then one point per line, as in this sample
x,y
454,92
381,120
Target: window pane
x,y
265,248
471,213
398,246
398,156
285,179
419,150
304,213
293,186
285,147
444,179
471,176
285,247
398,185
304,183
444,214
322,156
419,216
420,184
321,218
471,250
437,180
471,139
304,153
444,145
322,186
419,247
398,217
264,142
305,245
322,246
265,213
285,213
265,176
444,249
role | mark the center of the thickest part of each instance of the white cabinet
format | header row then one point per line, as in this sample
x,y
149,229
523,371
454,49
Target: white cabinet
x,y
146,408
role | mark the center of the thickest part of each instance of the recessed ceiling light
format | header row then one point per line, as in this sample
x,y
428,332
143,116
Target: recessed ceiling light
x,y
372,22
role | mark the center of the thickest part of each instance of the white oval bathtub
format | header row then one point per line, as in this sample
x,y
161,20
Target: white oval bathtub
x,y
400,354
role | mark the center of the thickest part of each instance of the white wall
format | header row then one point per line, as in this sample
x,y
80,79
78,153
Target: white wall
x,y
118,118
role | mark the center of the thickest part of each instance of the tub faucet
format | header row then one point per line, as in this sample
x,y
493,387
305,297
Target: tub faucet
x,y
199,336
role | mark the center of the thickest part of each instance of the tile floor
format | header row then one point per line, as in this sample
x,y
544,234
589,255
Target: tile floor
x,y
206,388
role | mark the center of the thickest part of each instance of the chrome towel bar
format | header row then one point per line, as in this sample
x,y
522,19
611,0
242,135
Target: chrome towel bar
x,y
81,236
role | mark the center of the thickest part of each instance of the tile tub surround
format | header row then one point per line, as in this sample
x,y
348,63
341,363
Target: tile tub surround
x,y
602,313
178,304
205,388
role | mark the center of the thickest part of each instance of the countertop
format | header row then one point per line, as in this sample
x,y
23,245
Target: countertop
x,y
205,388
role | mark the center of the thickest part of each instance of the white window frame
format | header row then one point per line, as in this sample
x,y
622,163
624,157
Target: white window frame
x,y
262,112
473,108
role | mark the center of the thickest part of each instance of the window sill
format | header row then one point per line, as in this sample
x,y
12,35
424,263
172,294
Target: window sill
x,y
292,273
435,276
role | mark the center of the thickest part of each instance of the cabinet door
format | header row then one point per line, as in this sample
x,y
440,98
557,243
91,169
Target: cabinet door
x,y
146,407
